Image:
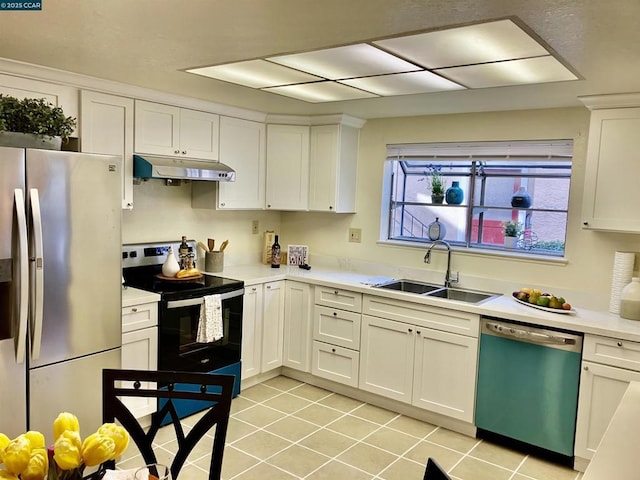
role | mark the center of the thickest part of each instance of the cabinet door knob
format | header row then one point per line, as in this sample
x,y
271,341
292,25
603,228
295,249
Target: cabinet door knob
x,y
330,207
418,332
269,287
268,206
619,344
254,289
333,350
335,292
585,223
335,314
410,330
184,152
176,152
586,368
134,310
222,204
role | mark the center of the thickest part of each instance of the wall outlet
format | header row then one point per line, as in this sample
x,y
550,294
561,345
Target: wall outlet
x,y
355,235
255,226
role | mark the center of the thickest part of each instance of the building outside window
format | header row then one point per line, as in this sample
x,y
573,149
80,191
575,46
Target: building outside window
x,y
524,182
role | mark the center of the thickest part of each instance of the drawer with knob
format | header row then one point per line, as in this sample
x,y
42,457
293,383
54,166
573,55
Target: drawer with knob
x,y
136,317
335,363
337,327
612,351
338,298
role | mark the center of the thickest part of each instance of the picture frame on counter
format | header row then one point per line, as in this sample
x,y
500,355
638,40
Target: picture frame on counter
x,y
297,254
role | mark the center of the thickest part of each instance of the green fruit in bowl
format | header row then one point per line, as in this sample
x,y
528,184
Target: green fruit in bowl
x,y
543,300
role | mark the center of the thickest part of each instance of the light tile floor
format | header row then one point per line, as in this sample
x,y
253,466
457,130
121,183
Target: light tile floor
x,y
286,429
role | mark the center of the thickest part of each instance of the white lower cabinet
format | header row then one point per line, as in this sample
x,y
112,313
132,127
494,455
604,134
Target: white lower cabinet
x,y
262,328
336,335
297,326
387,356
272,325
140,349
444,379
608,366
251,330
425,367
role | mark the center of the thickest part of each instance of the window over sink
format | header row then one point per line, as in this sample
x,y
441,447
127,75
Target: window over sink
x,y
523,182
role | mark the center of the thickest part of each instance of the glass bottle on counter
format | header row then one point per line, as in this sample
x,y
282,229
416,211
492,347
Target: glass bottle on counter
x,y
183,253
275,254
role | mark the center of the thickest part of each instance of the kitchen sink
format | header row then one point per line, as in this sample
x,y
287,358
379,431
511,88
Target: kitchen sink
x,y
409,286
461,295
438,291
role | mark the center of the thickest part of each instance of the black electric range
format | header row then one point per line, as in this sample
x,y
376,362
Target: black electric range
x,y
180,348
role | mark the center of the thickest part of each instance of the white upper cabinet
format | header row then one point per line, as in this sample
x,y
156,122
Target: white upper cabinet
x,y
178,132
332,168
62,96
106,126
611,191
242,147
287,185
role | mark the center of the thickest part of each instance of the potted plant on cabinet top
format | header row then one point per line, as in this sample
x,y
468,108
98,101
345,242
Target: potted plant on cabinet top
x,y
511,232
33,123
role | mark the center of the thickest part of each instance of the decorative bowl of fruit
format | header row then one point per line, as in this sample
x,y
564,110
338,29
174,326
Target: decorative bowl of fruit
x,y
534,298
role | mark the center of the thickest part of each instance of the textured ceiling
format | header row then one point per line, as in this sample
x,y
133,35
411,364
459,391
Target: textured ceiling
x,y
149,42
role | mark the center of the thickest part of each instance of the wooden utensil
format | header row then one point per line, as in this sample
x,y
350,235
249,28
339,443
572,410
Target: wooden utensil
x,y
212,243
203,246
224,245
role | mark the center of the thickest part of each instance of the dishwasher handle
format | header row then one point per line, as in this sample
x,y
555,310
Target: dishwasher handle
x,y
534,335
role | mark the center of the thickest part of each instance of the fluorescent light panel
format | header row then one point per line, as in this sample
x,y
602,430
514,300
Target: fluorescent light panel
x,y
513,72
481,43
359,60
403,83
490,54
320,92
255,74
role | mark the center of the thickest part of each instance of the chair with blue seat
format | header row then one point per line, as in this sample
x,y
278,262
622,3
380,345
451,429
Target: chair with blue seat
x,y
212,391
435,471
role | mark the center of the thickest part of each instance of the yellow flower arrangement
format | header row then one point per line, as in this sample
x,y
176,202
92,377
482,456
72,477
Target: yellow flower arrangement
x,y
27,458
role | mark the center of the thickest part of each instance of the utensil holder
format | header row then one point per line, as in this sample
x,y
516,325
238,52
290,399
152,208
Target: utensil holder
x,y
213,262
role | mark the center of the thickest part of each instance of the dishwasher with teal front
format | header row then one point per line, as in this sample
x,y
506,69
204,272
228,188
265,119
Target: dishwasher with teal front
x,y
527,392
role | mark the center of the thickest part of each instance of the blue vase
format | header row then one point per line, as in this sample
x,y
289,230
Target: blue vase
x,y
454,194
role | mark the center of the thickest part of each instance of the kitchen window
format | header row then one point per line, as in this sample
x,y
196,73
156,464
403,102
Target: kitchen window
x,y
524,182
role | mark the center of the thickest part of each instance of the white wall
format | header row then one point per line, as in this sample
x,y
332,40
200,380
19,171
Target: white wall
x,y
589,254
161,213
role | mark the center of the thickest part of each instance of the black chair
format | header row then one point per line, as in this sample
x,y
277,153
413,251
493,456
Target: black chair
x,y
215,390
435,471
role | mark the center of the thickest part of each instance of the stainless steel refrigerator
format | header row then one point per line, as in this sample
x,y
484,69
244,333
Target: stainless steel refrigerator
x,y
60,286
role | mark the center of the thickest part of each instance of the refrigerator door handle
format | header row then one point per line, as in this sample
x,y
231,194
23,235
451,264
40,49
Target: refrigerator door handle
x,y
23,266
37,275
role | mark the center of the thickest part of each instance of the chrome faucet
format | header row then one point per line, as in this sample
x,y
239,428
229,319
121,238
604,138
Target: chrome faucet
x,y
448,278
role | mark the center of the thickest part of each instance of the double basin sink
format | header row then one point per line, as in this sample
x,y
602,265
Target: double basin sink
x,y
427,289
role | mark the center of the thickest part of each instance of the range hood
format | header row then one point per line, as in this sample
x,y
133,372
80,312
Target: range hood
x,y
153,166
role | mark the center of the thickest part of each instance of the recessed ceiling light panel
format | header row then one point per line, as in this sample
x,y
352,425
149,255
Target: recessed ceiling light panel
x,y
346,62
481,43
404,83
513,72
255,74
320,92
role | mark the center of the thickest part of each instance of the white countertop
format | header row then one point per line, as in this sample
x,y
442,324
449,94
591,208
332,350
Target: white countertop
x,y
505,307
133,296
617,455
